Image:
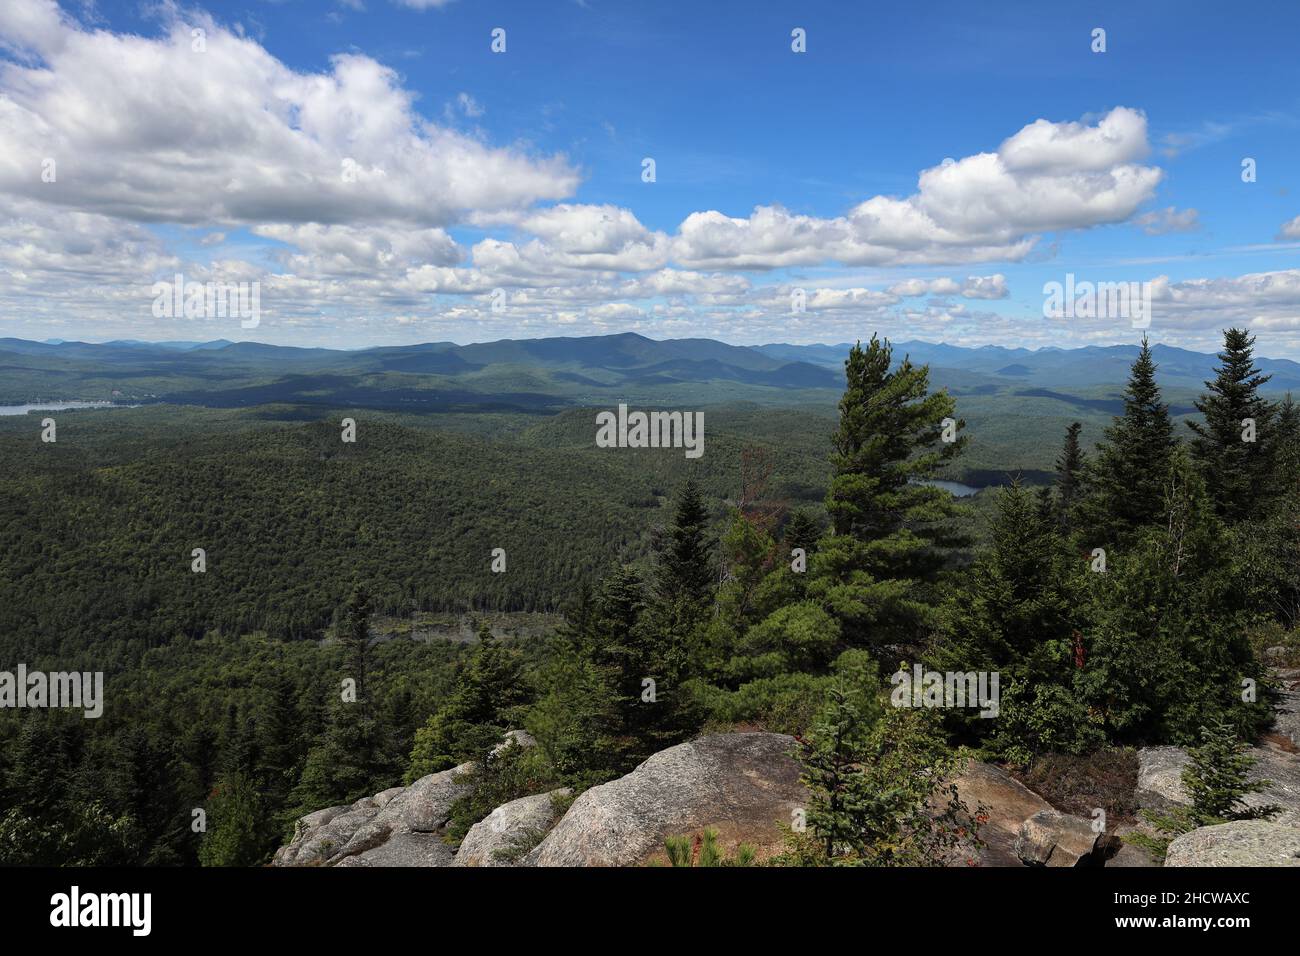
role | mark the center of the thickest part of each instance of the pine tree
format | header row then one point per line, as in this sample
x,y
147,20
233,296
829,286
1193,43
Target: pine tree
x,y
889,530
1070,469
1132,462
353,759
1237,470
237,834
489,699
833,755
879,778
1215,777
749,557
1168,647
355,637
801,531
684,570
281,738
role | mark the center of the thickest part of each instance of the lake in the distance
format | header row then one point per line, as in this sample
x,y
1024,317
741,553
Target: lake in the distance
x,y
55,407
957,489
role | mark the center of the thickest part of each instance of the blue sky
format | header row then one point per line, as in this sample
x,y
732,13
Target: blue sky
x,y
734,120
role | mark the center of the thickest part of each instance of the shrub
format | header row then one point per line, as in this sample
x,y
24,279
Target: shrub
x,y
880,781
1215,778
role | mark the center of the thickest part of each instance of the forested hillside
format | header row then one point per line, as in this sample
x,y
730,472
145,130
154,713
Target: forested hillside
x,y
775,583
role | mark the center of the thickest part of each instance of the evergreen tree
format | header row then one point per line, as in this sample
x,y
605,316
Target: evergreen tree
x,y
1267,546
489,699
1286,448
889,530
281,740
649,661
1215,777
42,761
622,682
1167,645
1237,470
684,570
880,780
1018,606
1017,611
801,531
236,834
200,749
1070,469
750,557
400,724
240,751
353,758
833,757
1132,463
144,787
354,634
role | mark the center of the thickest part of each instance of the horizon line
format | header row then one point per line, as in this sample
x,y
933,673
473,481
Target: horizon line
x,y
196,344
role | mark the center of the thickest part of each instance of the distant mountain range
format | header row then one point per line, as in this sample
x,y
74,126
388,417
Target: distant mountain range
x,y
1091,365
549,372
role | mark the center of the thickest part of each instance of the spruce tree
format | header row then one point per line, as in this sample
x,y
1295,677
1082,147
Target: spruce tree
x,y
1215,777
353,759
1216,780
880,780
619,690
1132,462
684,570
1284,482
1016,611
1235,445
889,530
801,531
648,657
1268,547
355,637
833,757
281,742
489,699
1017,608
1070,465
1168,644
237,833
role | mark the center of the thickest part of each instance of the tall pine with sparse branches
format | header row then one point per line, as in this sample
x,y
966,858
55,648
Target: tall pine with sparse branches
x,y
890,532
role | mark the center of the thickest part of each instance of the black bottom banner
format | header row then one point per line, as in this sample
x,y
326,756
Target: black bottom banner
x,y
328,906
